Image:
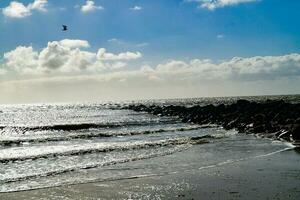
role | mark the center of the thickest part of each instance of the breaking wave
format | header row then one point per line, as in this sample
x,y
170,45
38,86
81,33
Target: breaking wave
x,y
88,135
36,152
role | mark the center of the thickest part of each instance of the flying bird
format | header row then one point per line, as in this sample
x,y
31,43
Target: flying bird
x,y
65,27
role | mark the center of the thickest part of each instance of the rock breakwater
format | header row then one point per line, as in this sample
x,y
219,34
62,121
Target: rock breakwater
x,y
273,119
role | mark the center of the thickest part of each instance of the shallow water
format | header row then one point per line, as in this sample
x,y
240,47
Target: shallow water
x,y
59,144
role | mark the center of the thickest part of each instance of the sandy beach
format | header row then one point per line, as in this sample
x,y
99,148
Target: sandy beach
x,y
274,174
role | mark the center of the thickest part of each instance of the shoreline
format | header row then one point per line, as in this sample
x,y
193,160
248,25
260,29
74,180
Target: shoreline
x,y
271,176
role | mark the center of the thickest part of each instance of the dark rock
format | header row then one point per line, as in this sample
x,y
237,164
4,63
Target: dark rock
x,y
295,132
270,119
259,118
242,102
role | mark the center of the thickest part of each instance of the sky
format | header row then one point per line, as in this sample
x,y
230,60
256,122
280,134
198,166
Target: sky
x,y
141,49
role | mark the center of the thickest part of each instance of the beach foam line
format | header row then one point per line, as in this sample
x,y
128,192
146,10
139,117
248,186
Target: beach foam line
x,y
81,126
227,162
51,138
94,165
176,149
36,152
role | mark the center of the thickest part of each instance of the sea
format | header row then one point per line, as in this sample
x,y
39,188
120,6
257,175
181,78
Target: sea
x,y
50,145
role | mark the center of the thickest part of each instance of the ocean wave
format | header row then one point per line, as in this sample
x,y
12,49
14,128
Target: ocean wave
x,y
89,135
36,152
6,188
80,126
96,164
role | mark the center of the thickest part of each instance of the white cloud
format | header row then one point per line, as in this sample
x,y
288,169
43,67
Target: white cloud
x,y
214,4
67,57
244,69
76,75
172,66
74,43
38,5
90,7
115,40
22,59
57,57
136,8
19,10
16,10
126,43
103,55
61,57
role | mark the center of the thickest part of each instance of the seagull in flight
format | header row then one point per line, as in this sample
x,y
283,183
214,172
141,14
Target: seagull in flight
x,y
65,27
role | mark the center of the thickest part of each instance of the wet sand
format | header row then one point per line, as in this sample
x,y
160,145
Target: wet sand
x,y
275,176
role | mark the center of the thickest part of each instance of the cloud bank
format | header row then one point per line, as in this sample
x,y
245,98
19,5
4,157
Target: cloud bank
x,y
67,70
19,10
70,57
63,57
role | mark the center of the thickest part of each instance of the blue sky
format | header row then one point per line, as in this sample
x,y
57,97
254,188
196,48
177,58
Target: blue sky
x,y
161,31
170,28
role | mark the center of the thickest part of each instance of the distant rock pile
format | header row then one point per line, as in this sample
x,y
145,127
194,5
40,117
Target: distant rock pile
x,y
273,119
